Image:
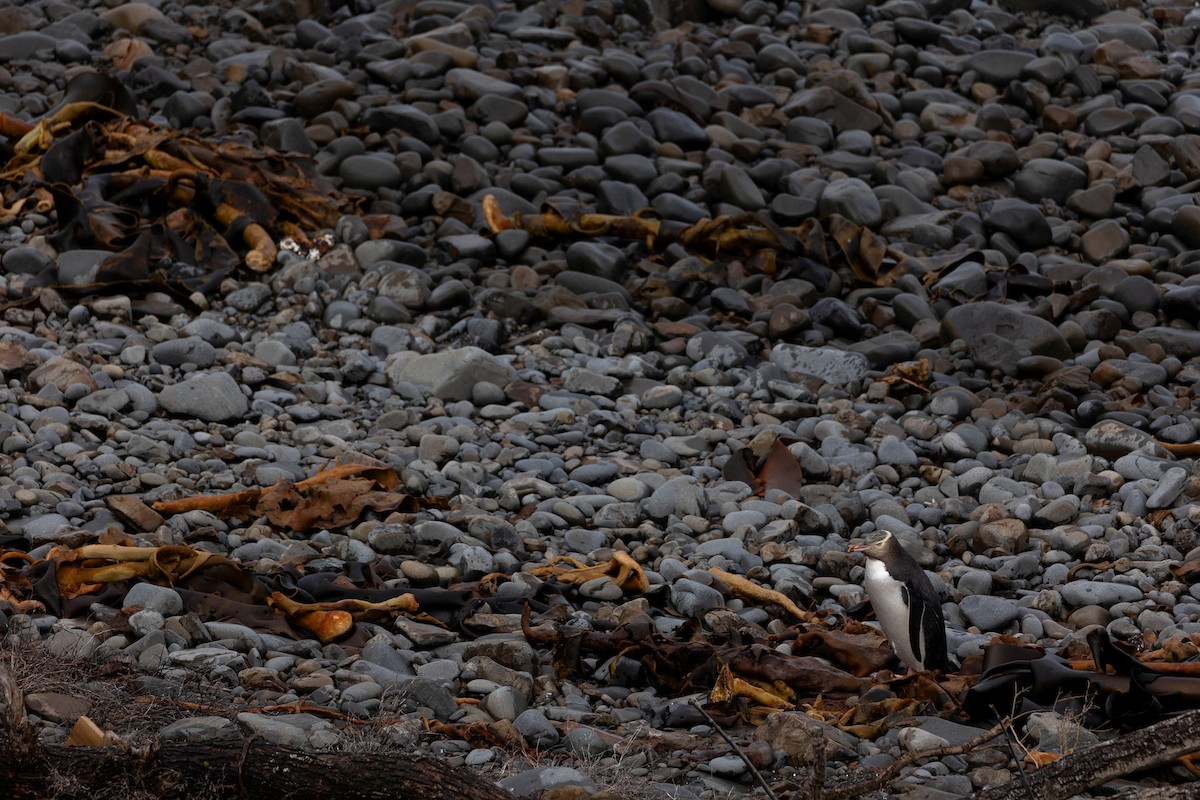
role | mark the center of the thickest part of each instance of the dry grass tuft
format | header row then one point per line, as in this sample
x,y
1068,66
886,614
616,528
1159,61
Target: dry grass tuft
x,y
613,773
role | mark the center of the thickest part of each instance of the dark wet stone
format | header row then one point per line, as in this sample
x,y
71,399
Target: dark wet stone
x,y
672,206
1186,224
1084,9
370,172
837,315
497,108
1137,293
998,67
310,33
567,157
852,198
287,135
1049,70
677,128
998,159
631,168
319,97
809,130
165,31
1185,151
403,118
920,31
470,246
1133,35
1096,202
374,253
777,56
618,197
470,85
468,176
731,301
888,348
1023,222
26,260
1110,122
791,210
394,72
188,350
967,281
911,309
1177,342
1182,303
69,51
215,397
1186,109
605,98
25,45
1104,241
583,283
78,267
738,188
1044,178
597,258
998,336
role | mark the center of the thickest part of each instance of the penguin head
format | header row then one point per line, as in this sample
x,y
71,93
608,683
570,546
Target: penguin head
x,y
877,547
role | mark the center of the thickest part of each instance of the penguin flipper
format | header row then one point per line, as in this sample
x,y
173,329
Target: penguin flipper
x,y
916,614
927,626
934,639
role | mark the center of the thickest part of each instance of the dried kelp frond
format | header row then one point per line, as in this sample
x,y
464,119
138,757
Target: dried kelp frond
x,y
167,203
691,661
330,621
729,687
1130,692
753,240
81,570
741,234
15,586
480,734
860,654
335,496
749,589
1185,450
865,252
778,469
69,580
622,569
914,374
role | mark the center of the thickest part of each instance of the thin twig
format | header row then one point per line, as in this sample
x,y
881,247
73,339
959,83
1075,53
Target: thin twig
x,y
745,759
1153,746
885,777
289,708
10,692
1005,724
18,736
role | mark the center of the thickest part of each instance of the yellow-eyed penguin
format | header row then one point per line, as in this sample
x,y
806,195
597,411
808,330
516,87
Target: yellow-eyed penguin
x,y
906,604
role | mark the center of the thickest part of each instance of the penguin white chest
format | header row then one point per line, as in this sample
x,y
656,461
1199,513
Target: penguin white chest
x,y
887,598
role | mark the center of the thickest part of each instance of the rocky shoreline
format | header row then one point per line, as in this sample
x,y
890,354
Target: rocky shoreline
x,y
986,342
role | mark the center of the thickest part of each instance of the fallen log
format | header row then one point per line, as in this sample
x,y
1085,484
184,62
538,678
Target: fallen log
x,y
1186,792
1153,746
253,768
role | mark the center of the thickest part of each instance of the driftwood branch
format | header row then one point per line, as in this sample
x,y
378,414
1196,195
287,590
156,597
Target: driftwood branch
x,y
740,752
254,768
1155,746
1186,792
888,775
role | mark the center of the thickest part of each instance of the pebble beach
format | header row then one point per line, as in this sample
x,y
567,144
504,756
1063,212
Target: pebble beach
x,y
1011,388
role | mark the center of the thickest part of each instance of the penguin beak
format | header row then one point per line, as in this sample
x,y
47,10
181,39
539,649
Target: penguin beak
x,y
855,548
